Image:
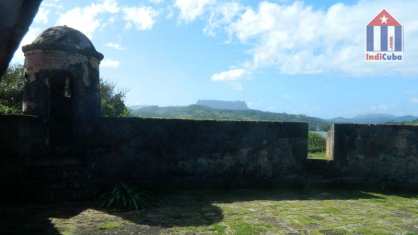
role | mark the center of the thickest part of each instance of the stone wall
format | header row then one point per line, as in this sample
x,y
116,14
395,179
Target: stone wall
x,y
195,153
185,153
376,153
151,152
21,137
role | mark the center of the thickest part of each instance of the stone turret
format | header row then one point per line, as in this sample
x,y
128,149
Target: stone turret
x,y
62,82
62,72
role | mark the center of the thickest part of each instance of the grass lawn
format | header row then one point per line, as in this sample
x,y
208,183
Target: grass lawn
x,y
317,155
234,212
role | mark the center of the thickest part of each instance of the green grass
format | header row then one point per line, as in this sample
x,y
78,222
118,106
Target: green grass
x,y
110,225
218,229
317,155
247,212
247,229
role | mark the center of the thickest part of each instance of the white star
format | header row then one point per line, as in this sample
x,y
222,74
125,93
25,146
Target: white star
x,y
384,19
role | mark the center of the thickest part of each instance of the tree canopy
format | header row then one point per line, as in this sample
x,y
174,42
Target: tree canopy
x,y
113,100
11,90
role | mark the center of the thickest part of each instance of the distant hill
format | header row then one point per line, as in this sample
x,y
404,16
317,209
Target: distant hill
x,y
206,113
134,107
375,119
414,122
221,104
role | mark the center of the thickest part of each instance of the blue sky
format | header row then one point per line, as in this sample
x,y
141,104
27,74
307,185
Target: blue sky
x,y
281,56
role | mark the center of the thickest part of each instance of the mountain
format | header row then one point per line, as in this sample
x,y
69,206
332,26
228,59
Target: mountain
x,y
374,119
239,111
134,107
414,122
199,112
221,104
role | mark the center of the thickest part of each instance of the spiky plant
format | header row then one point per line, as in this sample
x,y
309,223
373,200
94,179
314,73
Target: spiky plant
x,y
125,197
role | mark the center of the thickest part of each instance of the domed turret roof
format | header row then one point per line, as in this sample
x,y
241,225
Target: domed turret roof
x,y
65,39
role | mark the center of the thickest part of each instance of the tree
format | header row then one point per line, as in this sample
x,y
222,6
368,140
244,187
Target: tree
x,y
13,82
113,104
11,90
316,143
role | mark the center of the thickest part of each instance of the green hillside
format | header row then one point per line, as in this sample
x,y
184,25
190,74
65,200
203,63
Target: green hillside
x,y
205,113
415,122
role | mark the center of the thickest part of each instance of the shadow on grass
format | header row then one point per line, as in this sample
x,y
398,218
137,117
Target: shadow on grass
x,y
170,212
33,219
175,209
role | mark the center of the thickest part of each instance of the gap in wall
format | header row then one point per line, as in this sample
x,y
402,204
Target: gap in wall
x,y
318,144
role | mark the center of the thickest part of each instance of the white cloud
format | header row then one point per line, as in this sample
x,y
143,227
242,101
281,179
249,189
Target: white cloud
x,y
222,15
299,39
42,16
191,9
105,12
27,39
142,18
414,100
110,63
229,75
156,2
89,18
53,4
46,10
115,46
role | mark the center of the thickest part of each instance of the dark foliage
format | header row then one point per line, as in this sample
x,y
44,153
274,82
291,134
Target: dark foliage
x,y
113,104
316,143
11,90
126,197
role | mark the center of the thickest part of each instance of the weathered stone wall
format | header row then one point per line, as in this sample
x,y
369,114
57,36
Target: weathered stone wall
x,y
154,152
20,136
186,153
195,153
376,153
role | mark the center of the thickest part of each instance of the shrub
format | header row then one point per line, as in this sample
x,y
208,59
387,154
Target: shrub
x,y
125,197
11,90
316,143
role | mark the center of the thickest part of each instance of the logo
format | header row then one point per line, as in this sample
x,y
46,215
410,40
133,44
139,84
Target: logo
x,y
384,39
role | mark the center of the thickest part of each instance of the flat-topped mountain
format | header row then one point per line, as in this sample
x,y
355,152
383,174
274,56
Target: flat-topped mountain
x,y
221,104
199,112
